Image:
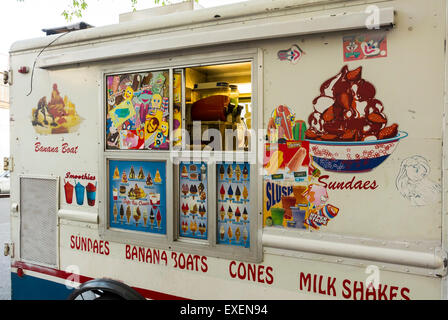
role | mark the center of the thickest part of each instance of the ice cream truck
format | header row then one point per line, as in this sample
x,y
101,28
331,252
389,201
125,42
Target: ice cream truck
x,y
288,149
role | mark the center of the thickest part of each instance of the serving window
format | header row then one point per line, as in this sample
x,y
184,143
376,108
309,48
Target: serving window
x,y
171,137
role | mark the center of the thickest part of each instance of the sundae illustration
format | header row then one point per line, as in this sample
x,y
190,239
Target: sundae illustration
x,y
141,175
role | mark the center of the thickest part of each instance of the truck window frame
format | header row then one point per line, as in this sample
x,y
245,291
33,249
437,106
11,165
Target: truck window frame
x,y
171,240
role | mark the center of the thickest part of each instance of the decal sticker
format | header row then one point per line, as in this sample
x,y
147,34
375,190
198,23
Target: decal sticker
x,y
348,129
365,46
292,54
413,183
137,193
56,116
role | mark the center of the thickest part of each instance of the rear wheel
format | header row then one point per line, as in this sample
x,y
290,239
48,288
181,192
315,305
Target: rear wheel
x,y
104,289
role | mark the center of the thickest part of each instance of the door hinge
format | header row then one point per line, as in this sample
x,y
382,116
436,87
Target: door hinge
x,y
7,77
8,164
8,250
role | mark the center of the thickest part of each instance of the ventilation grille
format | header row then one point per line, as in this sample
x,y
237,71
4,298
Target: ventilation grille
x,y
38,220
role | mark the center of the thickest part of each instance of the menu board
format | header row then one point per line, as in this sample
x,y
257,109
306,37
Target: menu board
x,y
193,200
233,189
137,193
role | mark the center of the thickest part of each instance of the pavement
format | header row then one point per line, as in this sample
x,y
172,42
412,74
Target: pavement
x,y
5,262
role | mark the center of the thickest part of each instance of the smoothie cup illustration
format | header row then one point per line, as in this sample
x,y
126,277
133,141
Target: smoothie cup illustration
x,y
79,190
91,194
298,215
68,187
277,216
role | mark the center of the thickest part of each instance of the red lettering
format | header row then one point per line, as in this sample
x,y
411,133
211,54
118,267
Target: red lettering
x,y
232,274
128,252
346,293
72,242
330,286
357,290
371,291
204,267
382,293
164,257
320,285
134,253
403,293
322,178
392,292
260,273
241,274
174,258
148,256
190,264
304,281
269,277
106,246
181,261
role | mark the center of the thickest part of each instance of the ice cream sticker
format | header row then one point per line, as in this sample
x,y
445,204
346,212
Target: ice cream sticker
x,y
348,128
137,201
233,204
193,215
365,46
56,116
292,54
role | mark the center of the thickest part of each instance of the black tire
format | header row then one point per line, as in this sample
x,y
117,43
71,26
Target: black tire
x,y
106,289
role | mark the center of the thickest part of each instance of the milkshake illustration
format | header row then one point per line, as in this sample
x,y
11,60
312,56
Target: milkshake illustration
x,y
91,194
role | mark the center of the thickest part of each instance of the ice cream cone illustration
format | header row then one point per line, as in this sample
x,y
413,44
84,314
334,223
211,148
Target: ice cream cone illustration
x,y
230,192
145,217
149,180
245,172
237,234
222,192
245,235
238,172
128,214
137,215
237,193
230,213
245,193
193,190
221,172
202,228
185,208
121,213
230,234
184,173
184,226
185,189
237,214
201,187
193,227
222,213
202,210
230,171
115,212
151,218
245,215
158,219
222,232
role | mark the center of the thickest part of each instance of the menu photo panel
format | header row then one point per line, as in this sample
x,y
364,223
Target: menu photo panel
x,y
137,195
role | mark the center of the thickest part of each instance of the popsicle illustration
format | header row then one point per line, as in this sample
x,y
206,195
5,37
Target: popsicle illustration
x,y
202,228
185,208
115,193
185,189
184,226
297,159
202,210
201,187
193,227
222,232
193,190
